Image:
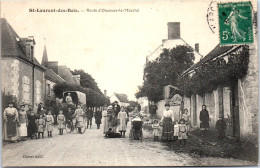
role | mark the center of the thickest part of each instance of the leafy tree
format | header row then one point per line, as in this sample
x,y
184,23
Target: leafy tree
x,y
165,70
86,80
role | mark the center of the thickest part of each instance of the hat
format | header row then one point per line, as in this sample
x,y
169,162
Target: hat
x,y
116,102
167,104
11,102
182,120
22,105
110,107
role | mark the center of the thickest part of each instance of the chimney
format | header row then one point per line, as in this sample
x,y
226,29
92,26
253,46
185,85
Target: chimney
x,y
53,65
197,47
105,93
174,30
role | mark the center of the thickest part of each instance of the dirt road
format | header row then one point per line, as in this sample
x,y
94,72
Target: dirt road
x,y
92,149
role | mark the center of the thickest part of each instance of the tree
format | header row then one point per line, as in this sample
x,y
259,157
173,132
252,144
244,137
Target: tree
x,y
165,70
86,80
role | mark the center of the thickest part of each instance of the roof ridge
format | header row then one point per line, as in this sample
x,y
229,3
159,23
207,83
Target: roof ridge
x,y
57,74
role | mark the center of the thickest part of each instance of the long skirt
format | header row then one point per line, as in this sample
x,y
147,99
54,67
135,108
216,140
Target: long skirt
x,y
105,122
204,125
49,126
23,129
167,131
32,128
11,126
7,136
61,124
40,128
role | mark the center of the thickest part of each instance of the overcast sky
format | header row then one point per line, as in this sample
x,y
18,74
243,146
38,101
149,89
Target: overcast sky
x,y
112,47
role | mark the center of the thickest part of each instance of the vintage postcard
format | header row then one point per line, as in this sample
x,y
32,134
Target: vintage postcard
x,y
129,83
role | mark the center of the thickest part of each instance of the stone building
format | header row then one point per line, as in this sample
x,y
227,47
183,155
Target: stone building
x,y
174,39
22,75
226,81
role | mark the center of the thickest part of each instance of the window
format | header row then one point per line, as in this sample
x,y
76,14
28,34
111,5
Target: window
x,y
38,91
48,89
26,89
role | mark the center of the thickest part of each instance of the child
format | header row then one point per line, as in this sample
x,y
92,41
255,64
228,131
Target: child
x,y
221,127
61,122
49,124
122,116
111,134
182,135
186,118
41,125
156,127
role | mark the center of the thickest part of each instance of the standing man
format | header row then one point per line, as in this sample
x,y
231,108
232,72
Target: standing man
x,y
89,116
116,108
152,109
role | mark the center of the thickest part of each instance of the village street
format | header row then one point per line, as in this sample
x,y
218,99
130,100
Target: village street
x,y
92,149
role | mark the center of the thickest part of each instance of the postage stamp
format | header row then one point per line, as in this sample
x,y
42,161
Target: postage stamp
x,y
235,23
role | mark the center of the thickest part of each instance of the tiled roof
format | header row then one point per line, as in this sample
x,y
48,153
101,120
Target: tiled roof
x,y
66,74
49,74
169,44
11,46
217,51
122,97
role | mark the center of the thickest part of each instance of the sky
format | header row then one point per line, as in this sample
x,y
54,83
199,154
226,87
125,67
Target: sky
x,y
111,46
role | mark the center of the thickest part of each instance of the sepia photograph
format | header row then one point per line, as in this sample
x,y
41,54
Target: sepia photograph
x,y
129,83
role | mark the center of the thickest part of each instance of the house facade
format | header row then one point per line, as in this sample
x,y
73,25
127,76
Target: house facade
x,y
226,81
120,98
22,75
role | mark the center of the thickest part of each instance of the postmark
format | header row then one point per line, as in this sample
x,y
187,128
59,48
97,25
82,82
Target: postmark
x,y
235,23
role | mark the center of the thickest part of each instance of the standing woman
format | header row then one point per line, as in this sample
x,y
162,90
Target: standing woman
x,y
122,117
167,123
98,117
23,123
105,120
11,123
32,126
204,119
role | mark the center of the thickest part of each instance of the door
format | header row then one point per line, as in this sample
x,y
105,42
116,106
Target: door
x,y
235,124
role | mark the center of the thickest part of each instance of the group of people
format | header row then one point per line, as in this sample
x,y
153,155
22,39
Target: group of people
x,y
20,124
115,120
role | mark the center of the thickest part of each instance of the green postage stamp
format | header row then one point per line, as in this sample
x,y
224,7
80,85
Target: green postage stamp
x,y
235,23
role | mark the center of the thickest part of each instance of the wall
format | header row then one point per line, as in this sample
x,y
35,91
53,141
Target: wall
x,y
50,97
248,97
210,103
39,87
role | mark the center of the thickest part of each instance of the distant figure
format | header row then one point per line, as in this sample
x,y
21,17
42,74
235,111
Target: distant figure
x,y
122,117
49,124
111,134
61,122
40,125
182,133
156,128
32,126
116,108
105,119
152,109
167,123
186,118
39,107
139,107
204,118
23,123
220,128
11,123
89,115
69,99
98,117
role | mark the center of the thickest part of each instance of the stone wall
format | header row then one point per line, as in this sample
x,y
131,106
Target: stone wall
x,y
39,87
248,97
